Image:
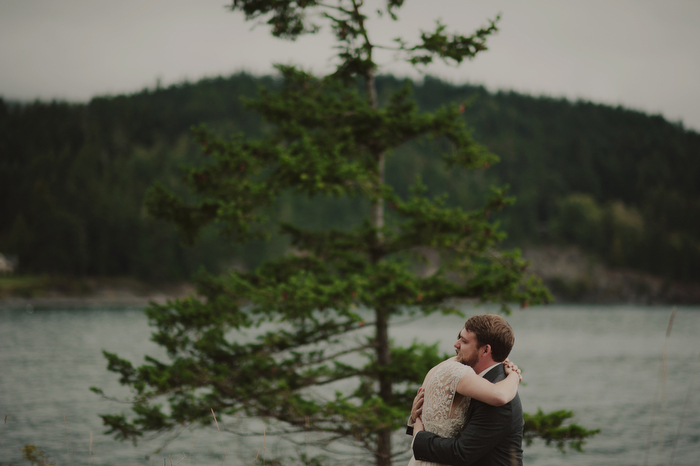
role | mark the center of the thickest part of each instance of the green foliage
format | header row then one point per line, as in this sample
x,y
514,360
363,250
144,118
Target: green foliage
x,y
36,456
81,213
73,178
580,221
319,315
618,233
449,47
549,428
39,286
552,149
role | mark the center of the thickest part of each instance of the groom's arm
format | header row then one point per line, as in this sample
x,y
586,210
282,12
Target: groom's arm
x,y
409,426
487,426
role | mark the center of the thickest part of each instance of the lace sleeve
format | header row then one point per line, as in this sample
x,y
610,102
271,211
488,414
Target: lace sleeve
x,y
453,372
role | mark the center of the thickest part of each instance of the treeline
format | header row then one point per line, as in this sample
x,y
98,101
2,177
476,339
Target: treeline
x,y
617,183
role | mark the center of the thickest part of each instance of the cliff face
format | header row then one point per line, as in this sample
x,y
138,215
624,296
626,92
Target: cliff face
x,y
573,276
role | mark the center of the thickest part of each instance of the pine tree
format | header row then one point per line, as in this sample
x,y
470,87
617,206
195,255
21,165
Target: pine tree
x,y
328,138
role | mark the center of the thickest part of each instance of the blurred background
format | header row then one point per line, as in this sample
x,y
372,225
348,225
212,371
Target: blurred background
x,y
593,108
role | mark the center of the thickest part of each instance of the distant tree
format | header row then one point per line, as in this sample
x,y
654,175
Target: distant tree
x,y
327,139
73,177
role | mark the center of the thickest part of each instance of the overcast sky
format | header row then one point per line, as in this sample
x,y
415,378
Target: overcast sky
x,y
642,54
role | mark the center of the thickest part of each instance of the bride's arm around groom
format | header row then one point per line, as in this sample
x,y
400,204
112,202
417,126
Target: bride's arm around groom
x,y
492,435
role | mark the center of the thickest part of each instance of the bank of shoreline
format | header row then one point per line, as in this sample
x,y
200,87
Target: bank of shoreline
x,y
575,277
572,276
57,292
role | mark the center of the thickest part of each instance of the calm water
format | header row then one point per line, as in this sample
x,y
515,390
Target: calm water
x,y
602,362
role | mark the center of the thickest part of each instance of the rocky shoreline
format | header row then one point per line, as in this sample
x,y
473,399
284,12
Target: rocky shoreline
x,y
572,276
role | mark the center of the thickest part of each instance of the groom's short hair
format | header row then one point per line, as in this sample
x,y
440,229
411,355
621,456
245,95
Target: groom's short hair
x,y
491,329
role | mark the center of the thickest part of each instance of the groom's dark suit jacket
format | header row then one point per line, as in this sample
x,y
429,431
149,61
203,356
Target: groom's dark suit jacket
x,y
492,435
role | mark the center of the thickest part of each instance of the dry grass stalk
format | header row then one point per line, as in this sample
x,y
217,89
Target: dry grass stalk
x,y
65,432
680,423
217,428
306,434
660,386
191,447
3,429
262,449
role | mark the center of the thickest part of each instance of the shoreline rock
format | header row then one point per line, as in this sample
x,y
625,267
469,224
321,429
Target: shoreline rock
x,y
575,277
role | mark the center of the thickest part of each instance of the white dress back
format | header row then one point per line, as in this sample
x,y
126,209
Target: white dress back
x,y
444,410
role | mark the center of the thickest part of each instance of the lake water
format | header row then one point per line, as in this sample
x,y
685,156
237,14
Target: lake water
x,y
602,362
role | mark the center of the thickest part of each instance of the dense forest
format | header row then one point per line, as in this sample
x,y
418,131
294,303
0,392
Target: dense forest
x,y
619,184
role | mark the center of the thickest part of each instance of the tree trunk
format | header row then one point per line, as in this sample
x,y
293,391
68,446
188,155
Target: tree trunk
x,y
383,452
378,205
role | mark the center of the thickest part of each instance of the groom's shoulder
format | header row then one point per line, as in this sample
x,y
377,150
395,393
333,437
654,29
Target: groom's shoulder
x,y
495,374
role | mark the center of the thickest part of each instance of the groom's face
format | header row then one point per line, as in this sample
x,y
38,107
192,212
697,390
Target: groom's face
x,y
466,348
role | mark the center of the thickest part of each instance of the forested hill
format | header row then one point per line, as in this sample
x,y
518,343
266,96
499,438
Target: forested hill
x,y
619,184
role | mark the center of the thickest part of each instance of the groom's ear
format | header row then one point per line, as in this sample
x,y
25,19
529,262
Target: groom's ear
x,y
486,349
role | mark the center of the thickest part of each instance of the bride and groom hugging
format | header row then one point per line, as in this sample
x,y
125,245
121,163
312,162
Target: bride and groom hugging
x,y
468,411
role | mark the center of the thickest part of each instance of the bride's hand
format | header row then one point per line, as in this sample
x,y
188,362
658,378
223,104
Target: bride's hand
x,y
417,408
511,367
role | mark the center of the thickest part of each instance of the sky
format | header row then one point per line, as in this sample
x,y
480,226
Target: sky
x,y
641,54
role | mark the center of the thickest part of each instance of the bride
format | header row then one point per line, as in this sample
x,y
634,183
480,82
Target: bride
x,y
442,401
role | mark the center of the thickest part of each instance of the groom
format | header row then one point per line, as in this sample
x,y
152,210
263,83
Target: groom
x,y
492,435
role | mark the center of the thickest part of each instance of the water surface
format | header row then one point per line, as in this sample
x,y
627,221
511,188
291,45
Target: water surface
x,y
602,362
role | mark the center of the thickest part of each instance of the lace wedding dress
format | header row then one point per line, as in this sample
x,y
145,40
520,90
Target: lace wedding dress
x,y
443,408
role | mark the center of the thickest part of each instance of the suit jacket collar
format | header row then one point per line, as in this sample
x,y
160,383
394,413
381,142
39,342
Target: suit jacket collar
x,y
482,373
494,373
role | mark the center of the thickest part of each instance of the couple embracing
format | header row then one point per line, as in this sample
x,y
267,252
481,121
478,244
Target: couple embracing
x,y
468,411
